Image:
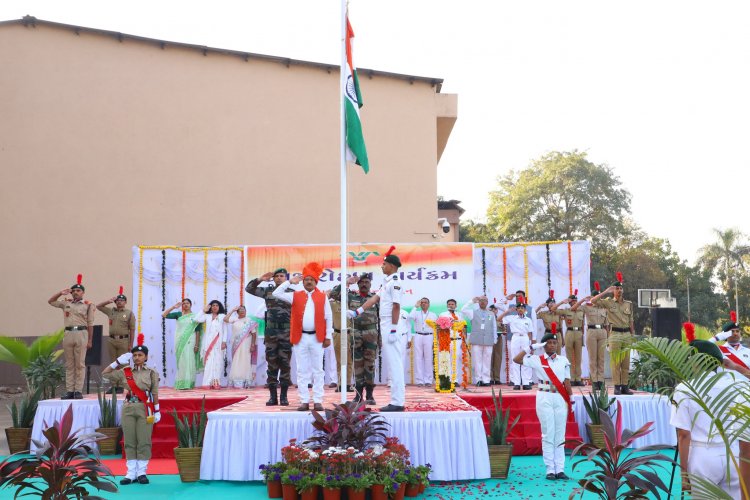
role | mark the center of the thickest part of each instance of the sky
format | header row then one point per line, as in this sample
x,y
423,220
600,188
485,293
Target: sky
x,y
657,90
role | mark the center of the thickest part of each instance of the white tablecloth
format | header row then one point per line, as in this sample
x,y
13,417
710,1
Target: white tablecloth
x,y
236,443
636,411
85,416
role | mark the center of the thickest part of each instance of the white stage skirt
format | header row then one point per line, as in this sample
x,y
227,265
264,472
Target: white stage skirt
x,y
85,416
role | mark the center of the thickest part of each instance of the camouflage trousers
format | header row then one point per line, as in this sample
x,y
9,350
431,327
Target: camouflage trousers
x,y
278,356
364,346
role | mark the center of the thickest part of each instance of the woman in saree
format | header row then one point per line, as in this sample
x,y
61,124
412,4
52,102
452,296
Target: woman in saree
x,y
242,341
186,342
213,344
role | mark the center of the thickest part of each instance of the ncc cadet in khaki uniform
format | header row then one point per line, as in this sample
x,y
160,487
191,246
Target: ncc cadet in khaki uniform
x,y
363,339
550,316
140,411
620,316
596,336
276,337
121,326
336,310
573,336
79,330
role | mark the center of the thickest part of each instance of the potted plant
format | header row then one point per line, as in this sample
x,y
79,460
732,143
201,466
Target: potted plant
x,y
309,485
497,441
331,486
356,484
424,476
289,480
38,361
63,467
348,424
413,481
22,415
108,423
272,476
190,431
598,401
614,468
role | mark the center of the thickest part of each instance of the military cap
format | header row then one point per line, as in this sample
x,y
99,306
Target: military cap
x,y
706,347
549,336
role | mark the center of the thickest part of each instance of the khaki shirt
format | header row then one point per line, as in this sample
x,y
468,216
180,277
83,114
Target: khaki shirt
x,y
573,319
594,315
549,317
145,378
79,313
120,322
620,313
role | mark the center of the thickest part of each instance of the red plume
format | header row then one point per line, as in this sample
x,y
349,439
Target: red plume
x,y
597,287
575,292
733,316
120,292
689,331
390,251
618,274
140,339
553,327
494,300
79,279
552,294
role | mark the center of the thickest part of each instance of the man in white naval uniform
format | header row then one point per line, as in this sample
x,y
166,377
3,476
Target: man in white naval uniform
x,y
389,297
521,329
552,400
732,349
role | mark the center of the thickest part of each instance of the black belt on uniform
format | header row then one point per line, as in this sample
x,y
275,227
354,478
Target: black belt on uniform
x,y
74,328
551,389
309,333
575,328
596,327
132,399
621,330
119,337
337,330
423,333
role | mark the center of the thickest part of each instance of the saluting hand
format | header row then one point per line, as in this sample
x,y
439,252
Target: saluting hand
x,y
296,280
177,305
65,291
266,277
352,280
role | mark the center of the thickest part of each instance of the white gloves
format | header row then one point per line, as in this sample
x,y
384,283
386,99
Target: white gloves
x,y
353,314
124,359
157,417
393,338
722,336
538,345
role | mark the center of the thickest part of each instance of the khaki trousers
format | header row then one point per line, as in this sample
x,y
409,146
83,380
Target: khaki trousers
x,y
621,368
497,358
337,351
116,348
596,342
74,348
136,431
573,348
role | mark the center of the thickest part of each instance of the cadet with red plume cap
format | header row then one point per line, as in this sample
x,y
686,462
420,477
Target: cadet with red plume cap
x,y
621,318
78,319
389,297
121,326
140,411
547,312
595,336
573,337
732,349
311,330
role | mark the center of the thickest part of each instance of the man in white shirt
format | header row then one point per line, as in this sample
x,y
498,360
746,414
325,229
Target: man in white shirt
x,y
483,338
389,297
521,330
732,349
422,342
552,400
311,330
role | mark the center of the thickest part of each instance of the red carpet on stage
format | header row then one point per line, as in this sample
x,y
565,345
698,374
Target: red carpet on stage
x,y
156,466
526,436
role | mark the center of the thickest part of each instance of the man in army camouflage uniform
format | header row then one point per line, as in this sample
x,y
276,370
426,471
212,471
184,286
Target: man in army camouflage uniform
x,y
278,345
363,340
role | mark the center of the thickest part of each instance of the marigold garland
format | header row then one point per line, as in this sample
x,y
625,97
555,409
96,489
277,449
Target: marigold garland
x,y
505,294
140,287
184,259
526,274
226,301
205,277
242,278
441,345
549,272
465,360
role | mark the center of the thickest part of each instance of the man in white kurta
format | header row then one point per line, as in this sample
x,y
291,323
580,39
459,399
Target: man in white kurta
x,y
389,297
551,407
483,338
422,342
520,329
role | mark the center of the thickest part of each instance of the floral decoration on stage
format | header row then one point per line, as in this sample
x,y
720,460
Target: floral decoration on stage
x,y
445,357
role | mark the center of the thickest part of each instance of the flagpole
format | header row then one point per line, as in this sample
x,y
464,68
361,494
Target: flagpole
x,y
344,285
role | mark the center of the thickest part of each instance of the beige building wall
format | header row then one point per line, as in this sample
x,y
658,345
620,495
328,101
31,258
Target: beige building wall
x,y
110,142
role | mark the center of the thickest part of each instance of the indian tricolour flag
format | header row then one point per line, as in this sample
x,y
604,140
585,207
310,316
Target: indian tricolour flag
x,y
355,141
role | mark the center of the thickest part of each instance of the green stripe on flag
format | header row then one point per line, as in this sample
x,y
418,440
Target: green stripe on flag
x,y
354,138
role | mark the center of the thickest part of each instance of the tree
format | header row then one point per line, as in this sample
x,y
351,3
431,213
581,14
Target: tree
x,y
725,259
562,195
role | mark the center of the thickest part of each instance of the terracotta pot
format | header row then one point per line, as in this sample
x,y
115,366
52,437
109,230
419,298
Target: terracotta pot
x,y
500,459
310,494
422,487
289,492
19,439
188,463
377,492
108,446
596,435
399,494
353,494
331,493
412,490
274,489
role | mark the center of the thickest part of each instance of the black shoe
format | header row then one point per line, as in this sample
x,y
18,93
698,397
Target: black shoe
x,y
480,384
349,388
126,480
77,395
369,399
359,394
561,475
274,399
283,401
618,391
392,408
598,386
625,390
516,387
551,476
143,479
526,387
68,395
510,384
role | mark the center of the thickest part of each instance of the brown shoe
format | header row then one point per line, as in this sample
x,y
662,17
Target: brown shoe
x,y
333,385
304,407
318,407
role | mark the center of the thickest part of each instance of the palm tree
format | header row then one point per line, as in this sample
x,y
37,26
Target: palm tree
x,y
728,252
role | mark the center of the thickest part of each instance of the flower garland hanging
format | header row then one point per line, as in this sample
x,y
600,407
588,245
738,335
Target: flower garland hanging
x,y
140,288
242,278
570,266
441,346
226,304
549,271
505,294
205,277
184,258
163,307
484,274
526,273
465,359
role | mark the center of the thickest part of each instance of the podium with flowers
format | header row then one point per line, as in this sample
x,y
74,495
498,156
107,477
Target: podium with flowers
x,y
446,333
